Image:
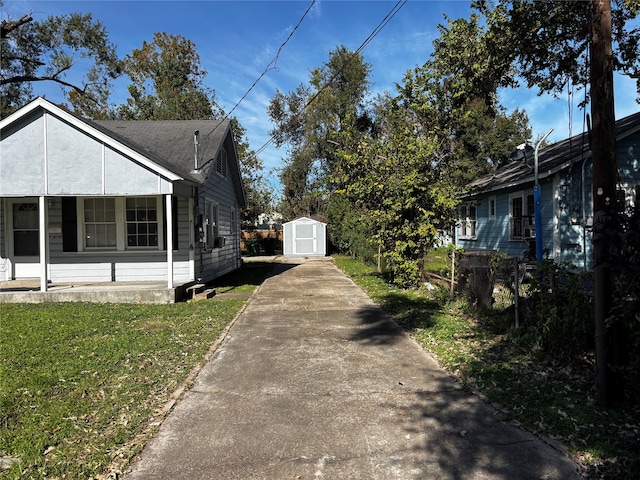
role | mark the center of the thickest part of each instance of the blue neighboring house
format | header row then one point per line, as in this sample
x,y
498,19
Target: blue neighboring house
x,y
497,212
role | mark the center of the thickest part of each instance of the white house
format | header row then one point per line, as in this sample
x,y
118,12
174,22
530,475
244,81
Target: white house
x,y
107,201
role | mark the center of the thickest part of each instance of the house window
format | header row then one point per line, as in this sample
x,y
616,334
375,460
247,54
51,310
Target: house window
x,y
100,230
468,221
118,223
521,221
492,208
142,222
211,224
221,162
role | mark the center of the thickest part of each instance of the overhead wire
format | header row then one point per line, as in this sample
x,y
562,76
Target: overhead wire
x,y
272,65
392,13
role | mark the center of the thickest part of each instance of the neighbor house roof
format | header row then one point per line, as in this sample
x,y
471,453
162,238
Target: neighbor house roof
x,y
551,159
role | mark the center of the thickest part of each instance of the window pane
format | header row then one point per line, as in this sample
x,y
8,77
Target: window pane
x,y
26,243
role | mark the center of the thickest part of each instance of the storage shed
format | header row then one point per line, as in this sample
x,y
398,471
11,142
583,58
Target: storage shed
x,y
304,237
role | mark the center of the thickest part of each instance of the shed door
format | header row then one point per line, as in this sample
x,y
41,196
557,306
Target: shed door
x,y
304,238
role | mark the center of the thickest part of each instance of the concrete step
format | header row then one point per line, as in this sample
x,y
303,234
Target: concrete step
x,y
204,294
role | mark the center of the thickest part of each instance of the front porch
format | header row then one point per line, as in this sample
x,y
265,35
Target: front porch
x,y
28,291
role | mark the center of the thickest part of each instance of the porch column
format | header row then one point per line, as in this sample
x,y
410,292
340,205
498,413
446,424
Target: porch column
x,y
44,247
169,206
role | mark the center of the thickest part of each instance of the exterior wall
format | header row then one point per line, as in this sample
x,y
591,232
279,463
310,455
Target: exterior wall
x,y
103,266
493,232
65,161
211,263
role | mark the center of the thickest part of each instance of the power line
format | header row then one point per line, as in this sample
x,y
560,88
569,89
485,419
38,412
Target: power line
x,y
272,65
383,23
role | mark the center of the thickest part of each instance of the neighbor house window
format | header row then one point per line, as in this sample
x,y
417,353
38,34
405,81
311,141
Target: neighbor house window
x,y
521,216
100,230
221,162
468,221
492,208
142,222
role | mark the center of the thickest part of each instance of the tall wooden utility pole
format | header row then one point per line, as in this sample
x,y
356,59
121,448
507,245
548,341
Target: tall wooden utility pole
x,y
603,148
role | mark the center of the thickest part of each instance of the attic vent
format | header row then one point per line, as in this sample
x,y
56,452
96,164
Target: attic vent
x,y
221,162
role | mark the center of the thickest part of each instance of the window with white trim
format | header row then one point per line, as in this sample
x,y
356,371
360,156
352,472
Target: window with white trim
x,y
142,222
467,221
521,216
100,228
211,224
117,223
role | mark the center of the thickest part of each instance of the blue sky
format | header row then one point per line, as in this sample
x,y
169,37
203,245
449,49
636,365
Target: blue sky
x,y
237,40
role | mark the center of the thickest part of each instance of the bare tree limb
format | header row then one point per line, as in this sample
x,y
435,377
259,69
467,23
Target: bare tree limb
x,y
8,26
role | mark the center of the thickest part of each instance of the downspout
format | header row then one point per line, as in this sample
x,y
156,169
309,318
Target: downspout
x,y
536,202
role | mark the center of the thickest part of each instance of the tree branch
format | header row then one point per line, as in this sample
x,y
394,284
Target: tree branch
x,y
8,26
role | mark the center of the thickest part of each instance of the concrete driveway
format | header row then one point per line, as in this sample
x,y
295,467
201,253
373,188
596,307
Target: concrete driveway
x,y
313,381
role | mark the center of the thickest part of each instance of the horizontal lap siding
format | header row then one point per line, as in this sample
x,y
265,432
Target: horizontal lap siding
x,y
109,266
215,262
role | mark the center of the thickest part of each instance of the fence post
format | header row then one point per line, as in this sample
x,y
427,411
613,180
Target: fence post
x,y
516,294
453,271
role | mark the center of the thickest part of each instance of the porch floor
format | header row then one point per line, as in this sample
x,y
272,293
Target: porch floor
x,y
28,291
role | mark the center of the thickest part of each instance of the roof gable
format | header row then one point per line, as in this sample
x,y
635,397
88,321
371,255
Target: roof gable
x,y
164,147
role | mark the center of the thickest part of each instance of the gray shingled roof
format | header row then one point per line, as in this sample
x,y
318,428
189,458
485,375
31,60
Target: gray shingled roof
x,y
169,143
551,159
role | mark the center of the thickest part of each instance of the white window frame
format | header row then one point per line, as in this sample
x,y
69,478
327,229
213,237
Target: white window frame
x,y
147,223
121,226
492,207
518,229
468,221
211,224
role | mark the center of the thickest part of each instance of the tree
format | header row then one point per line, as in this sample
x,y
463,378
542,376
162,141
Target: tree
x,y
71,51
549,40
312,120
167,82
453,96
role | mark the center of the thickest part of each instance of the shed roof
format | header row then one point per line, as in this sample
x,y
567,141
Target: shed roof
x,y
551,159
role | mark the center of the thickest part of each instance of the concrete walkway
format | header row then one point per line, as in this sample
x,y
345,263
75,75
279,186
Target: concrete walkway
x,y
314,382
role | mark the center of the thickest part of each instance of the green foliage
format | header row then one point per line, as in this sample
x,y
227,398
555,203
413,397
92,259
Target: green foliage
x,y
549,40
167,82
556,314
318,123
623,325
52,49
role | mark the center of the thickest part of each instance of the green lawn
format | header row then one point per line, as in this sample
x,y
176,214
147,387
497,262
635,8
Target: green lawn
x,y
546,397
82,385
